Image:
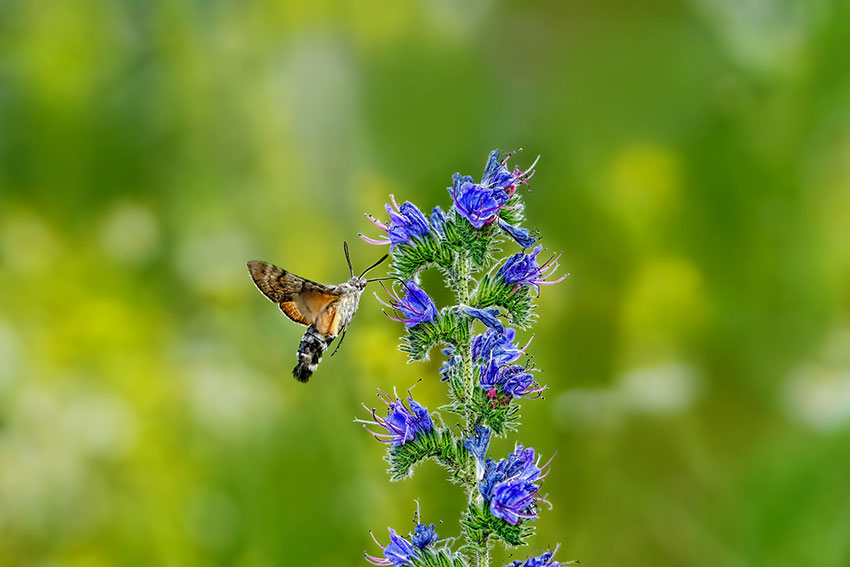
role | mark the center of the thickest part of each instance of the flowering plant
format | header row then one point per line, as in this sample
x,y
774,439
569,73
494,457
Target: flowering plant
x,y
485,381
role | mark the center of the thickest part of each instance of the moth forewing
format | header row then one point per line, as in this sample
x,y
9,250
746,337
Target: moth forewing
x,y
300,299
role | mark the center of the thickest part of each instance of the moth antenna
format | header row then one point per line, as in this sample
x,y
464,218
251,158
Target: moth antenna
x,y
348,258
375,265
386,278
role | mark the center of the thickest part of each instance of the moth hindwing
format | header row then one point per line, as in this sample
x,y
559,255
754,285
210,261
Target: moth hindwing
x,y
325,310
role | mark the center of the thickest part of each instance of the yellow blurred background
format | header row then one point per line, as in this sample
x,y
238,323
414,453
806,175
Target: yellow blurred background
x,y
695,172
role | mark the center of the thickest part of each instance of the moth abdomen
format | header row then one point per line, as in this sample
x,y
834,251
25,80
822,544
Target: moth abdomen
x,y
310,351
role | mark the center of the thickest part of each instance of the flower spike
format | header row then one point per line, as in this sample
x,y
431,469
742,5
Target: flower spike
x,y
486,368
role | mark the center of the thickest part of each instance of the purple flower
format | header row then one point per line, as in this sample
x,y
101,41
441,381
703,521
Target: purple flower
x,y
516,381
513,501
478,204
403,422
497,174
521,465
509,485
513,380
413,308
491,376
489,317
544,560
423,535
406,223
496,351
397,553
522,269
496,347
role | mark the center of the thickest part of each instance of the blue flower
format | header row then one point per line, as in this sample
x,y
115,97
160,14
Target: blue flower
x,y
438,221
478,204
544,560
424,535
497,174
509,485
413,308
403,422
522,269
496,347
514,501
522,464
398,553
521,235
489,317
406,224
478,443
450,364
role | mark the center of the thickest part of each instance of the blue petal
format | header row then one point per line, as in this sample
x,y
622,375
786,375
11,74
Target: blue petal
x,y
521,235
478,443
438,221
399,550
424,535
489,317
492,166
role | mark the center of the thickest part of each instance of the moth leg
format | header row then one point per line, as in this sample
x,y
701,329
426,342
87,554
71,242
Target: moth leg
x,y
339,342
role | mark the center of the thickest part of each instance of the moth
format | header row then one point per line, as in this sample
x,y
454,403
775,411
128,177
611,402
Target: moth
x,y
326,310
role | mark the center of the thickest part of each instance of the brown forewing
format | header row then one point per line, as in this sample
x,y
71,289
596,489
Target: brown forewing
x,y
300,299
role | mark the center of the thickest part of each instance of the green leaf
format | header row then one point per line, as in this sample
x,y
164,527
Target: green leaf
x,y
457,390
479,524
501,413
492,291
443,557
438,445
477,242
420,254
445,329
514,210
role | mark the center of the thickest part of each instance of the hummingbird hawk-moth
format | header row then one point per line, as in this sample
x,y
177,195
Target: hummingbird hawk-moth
x,y
326,310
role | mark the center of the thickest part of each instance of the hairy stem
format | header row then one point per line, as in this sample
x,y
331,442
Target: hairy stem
x,y
463,291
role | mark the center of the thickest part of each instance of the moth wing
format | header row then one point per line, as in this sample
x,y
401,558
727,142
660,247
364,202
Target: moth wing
x,y
329,320
314,306
300,299
290,310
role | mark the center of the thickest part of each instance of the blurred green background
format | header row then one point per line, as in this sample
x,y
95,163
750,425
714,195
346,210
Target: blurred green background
x,y
695,172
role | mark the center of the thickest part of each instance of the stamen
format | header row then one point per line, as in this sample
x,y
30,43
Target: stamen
x,y
375,241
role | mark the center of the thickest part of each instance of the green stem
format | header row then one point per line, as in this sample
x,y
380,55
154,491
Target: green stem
x,y
464,273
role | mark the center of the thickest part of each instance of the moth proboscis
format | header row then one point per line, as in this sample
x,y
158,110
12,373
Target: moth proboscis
x,y
325,310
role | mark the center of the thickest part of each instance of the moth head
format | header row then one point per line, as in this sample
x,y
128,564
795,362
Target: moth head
x,y
358,281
